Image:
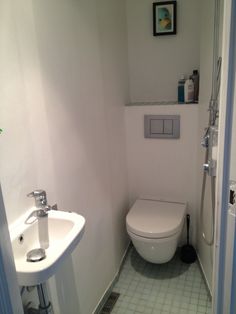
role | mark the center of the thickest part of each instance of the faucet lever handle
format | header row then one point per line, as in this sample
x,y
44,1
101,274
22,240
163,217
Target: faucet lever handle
x,y
36,193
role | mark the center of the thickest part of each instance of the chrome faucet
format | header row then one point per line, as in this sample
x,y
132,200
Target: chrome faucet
x,y
40,197
41,215
41,205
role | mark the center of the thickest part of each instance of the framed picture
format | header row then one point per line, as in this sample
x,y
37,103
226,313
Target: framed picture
x,y
164,18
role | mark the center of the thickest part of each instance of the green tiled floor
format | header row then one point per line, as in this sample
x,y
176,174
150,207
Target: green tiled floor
x,y
160,289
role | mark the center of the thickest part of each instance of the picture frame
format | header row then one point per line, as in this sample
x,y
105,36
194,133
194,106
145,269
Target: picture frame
x,y
164,18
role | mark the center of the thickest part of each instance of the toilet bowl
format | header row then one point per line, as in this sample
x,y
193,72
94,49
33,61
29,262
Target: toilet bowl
x,y
154,227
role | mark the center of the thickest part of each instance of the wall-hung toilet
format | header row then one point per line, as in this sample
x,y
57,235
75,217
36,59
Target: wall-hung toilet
x,y
155,227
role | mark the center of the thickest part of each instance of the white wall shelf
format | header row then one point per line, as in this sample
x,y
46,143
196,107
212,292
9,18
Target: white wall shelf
x,y
157,103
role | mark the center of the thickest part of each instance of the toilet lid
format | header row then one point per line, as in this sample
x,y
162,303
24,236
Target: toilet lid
x,y
155,219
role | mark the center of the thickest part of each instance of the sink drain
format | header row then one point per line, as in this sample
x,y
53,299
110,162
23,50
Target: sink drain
x,y
36,255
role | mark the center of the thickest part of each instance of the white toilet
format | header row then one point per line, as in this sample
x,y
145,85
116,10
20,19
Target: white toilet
x,y
154,227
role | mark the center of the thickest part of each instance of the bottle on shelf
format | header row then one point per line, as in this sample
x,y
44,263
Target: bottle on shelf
x,y
189,91
195,78
181,83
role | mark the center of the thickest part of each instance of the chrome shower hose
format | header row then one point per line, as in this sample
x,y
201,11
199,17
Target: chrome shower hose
x,y
209,241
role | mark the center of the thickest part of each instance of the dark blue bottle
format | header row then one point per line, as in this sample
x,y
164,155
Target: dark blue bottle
x,y
181,90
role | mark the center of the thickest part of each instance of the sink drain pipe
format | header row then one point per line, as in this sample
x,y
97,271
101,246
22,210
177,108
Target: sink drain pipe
x,y
45,306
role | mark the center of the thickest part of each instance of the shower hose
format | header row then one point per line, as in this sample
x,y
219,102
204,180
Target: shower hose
x,y
209,241
213,109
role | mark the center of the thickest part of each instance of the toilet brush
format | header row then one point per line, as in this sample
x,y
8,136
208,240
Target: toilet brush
x,y
188,254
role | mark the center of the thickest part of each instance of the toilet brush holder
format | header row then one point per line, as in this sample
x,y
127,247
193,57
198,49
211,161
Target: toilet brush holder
x,y
188,254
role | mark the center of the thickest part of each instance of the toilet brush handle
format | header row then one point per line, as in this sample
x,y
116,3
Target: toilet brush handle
x,y
188,225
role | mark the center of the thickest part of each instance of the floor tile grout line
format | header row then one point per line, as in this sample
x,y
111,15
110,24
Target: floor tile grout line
x,y
168,277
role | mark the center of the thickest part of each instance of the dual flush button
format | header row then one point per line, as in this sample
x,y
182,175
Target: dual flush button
x,y
162,126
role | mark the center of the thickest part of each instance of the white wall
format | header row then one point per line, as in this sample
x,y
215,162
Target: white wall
x,y
156,63
63,86
159,167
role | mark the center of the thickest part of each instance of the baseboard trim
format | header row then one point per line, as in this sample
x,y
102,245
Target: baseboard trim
x,y
112,283
204,277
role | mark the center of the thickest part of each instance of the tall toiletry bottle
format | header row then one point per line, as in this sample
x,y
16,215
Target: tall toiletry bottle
x,y
189,91
181,83
195,78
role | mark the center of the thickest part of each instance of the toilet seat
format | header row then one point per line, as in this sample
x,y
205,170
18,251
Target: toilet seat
x,y
155,219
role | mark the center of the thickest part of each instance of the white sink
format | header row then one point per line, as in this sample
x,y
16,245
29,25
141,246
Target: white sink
x,y
62,231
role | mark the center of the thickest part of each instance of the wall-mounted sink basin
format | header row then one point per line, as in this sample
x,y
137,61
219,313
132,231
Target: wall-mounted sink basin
x,y
61,230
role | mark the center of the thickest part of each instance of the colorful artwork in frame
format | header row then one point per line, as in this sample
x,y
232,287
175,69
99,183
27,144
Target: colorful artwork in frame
x,y
164,18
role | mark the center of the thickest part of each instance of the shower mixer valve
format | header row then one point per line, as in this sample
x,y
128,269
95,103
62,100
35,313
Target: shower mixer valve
x,y
210,168
210,142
